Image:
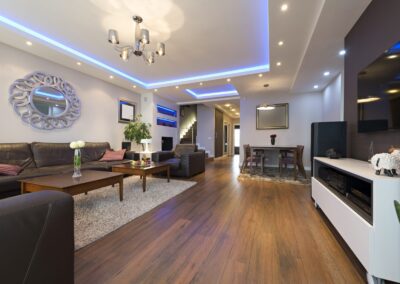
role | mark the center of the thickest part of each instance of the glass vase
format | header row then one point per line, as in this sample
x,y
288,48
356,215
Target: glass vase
x,y
77,163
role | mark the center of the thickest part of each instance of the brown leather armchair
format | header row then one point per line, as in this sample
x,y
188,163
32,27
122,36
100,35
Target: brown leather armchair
x,y
37,238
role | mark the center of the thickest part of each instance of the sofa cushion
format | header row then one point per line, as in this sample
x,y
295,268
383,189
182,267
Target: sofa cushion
x,y
52,154
10,170
182,149
93,151
113,155
16,154
174,163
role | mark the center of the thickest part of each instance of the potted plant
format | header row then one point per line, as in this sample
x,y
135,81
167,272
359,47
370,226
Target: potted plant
x,y
397,207
137,130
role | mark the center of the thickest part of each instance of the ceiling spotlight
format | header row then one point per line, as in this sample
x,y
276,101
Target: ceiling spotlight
x,y
227,105
79,63
201,83
237,113
134,86
111,77
280,43
233,109
316,86
342,52
176,87
260,75
155,90
327,73
29,43
284,7
228,80
369,99
393,91
278,63
393,56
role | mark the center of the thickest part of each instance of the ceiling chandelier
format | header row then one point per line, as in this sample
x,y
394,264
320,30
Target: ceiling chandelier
x,y
142,39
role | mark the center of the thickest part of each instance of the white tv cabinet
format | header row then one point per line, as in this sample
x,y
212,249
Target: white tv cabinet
x,y
373,237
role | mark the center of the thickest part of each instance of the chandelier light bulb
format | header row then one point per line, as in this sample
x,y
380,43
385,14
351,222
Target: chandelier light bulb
x,y
113,37
160,49
125,54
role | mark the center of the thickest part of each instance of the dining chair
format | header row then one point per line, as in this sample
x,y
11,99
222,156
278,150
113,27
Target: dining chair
x,y
248,159
292,157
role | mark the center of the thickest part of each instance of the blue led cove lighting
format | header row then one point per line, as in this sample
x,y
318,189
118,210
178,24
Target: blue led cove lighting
x,y
147,85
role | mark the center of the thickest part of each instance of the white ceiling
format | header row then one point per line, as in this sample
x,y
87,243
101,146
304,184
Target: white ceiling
x,y
201,36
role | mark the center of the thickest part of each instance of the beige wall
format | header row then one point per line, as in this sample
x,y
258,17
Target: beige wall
x,y
99,99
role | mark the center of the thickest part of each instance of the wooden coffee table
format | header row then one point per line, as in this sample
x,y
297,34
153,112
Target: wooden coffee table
x,y
90,180
142,171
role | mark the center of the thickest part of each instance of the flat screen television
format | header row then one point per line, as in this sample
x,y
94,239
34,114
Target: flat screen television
x,y
379,93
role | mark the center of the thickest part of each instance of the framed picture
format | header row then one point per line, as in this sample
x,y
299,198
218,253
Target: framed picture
x,y
127,111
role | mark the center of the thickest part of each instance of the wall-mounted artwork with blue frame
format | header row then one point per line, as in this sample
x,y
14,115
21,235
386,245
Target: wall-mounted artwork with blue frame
x,y
166,122
167,111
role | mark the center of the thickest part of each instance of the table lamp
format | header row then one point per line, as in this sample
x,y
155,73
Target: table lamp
x,y
146,143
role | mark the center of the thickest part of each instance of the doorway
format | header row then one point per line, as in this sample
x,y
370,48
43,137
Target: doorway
x,y
219,139
226,139
236,142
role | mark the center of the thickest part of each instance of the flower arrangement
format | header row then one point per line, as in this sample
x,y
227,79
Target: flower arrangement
x,y
77,146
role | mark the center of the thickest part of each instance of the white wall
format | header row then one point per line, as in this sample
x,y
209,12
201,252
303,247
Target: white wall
x,y
303,110
149,113
99,102
206,128
332,100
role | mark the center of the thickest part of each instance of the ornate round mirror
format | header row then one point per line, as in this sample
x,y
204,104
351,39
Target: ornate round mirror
x,y
45,101
49,101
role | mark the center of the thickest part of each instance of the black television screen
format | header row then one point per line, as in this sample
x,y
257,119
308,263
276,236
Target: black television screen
x,y
379,93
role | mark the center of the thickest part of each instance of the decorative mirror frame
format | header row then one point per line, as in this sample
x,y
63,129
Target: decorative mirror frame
x,y
20,96
284,126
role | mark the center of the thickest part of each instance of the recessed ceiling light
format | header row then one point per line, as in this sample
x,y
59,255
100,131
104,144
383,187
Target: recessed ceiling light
x,y
342,52
284,7
393,91
227,105
155,90
278,63
134,86
316,86
79,63
176,87
327,73
393,56
280,43
28,43
228,80
201,83
111,77
260,75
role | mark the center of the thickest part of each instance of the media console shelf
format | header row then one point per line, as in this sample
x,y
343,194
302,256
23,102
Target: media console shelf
x,y
360,205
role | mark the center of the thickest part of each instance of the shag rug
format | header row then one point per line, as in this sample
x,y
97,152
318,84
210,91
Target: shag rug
x,y
272,175
100,212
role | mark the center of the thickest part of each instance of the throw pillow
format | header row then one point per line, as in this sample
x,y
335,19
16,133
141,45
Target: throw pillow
x,y
10,170
113,155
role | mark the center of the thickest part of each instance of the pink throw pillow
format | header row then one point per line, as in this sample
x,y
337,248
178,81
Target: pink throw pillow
x,y
10,170
113,155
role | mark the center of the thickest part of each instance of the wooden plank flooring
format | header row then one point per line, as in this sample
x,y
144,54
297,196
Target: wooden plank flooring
x,y
222,231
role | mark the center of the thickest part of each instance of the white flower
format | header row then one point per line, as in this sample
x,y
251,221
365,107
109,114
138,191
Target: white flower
x,y
81,144
73,145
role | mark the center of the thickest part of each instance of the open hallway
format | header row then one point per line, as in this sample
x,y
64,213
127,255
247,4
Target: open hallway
x,y
222,231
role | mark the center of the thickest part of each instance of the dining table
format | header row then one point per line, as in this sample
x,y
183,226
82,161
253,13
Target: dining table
x,y
277,148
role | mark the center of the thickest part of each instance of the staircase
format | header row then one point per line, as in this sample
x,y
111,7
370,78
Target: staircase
x,y
188,136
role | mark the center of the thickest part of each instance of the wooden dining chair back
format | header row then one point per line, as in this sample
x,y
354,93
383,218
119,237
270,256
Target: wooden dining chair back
x,y
295,158
248,158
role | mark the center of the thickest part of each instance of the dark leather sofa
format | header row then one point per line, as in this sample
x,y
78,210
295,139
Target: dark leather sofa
x,y
41,159
185,161
37,238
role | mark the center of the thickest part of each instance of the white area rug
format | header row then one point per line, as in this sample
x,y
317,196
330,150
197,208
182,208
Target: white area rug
x,y
100,212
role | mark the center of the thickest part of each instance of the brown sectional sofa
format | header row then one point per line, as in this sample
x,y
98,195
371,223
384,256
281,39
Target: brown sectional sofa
x,y
40,159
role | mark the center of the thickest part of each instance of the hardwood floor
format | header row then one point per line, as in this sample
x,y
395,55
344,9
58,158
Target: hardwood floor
x,y
222,231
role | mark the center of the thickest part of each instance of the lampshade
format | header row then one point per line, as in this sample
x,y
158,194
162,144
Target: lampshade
x,y
144,36
160,49
113,37
125,54
145,141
